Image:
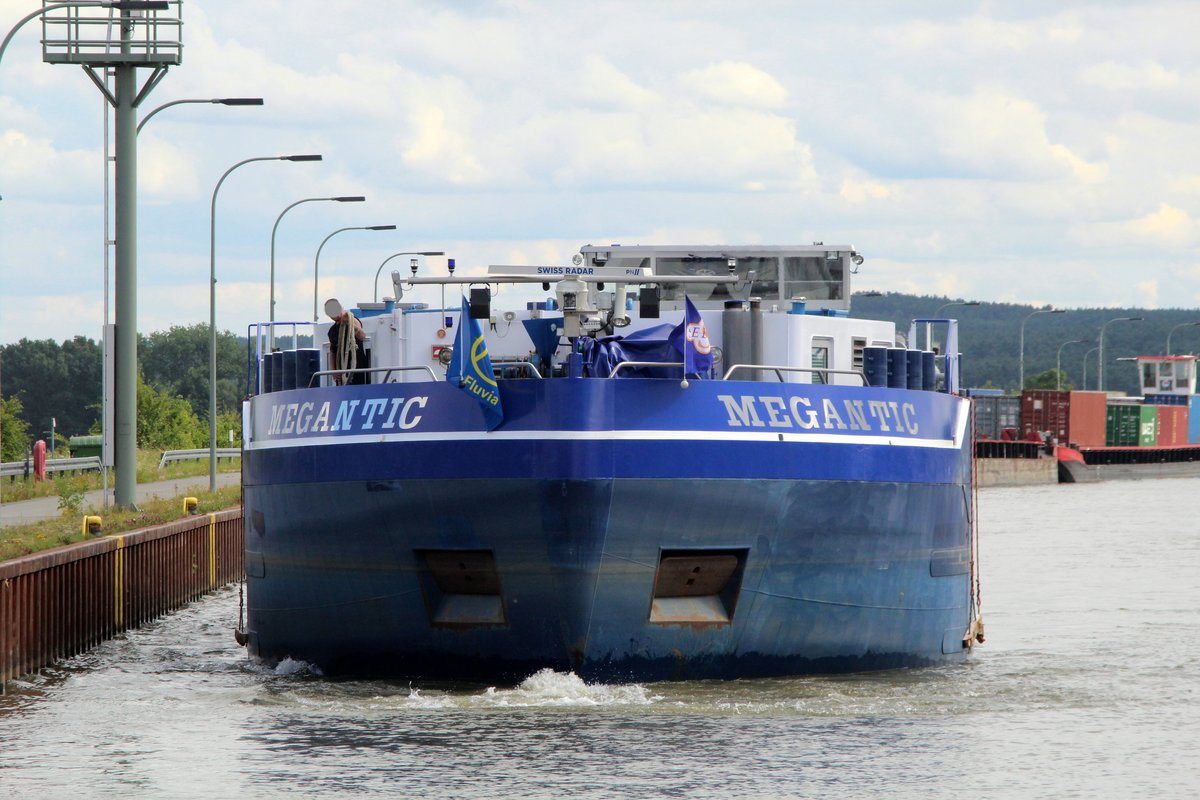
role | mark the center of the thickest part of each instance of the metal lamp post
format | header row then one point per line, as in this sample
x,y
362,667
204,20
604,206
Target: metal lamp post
x,y
228,101
1021,363
928,328
959,303
1058,362
1100,366
224,101
1177,327
1085,358
405,253
317,260
212,311
341,199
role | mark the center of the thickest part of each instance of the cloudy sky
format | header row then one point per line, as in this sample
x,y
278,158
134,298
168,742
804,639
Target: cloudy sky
x,y
1025,152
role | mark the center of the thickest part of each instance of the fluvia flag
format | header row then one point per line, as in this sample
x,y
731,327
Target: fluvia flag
x,y
471,368
691,338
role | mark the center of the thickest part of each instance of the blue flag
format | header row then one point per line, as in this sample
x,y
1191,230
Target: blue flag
x,y
471,368
690,338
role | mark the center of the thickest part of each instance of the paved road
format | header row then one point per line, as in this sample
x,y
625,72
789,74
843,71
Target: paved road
x,y
40,508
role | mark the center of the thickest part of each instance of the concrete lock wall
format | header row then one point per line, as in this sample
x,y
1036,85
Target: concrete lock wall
x,y
1016,471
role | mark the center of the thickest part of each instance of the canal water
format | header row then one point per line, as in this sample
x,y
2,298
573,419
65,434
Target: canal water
x,y
1088,687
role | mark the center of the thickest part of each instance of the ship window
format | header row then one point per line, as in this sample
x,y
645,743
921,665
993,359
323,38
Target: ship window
x,y
820,358
812,277
765,269
1148,380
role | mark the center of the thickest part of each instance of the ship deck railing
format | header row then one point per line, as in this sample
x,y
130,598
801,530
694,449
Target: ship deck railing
x,y
824,372
778,369
387,372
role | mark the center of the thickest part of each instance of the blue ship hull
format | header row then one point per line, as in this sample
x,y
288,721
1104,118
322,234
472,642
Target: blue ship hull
x,y
675,539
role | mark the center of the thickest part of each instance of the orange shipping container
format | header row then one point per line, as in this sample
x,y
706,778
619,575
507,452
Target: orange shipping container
x,y
1086,419
1172,426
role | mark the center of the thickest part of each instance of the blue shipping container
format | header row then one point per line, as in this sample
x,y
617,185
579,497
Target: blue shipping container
x,y
1167,399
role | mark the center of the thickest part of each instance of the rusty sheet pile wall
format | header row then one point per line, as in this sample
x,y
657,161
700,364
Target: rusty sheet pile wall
x,y
62,602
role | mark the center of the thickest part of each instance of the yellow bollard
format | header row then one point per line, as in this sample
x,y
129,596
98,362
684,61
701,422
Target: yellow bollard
x,y
91,525
190,505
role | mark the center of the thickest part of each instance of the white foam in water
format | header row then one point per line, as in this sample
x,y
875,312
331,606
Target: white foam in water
x,y
547,688
290,666
417,700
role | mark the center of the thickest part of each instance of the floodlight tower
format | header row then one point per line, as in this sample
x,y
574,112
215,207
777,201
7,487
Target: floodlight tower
x,y
120,36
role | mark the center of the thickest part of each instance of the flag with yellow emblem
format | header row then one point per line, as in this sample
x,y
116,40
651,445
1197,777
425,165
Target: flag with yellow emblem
x,y
471,368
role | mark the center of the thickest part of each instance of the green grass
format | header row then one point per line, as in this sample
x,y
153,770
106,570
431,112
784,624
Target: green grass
x,y
20,540
147,472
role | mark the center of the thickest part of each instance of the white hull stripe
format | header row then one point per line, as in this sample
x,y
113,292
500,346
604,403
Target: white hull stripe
x,y
618,436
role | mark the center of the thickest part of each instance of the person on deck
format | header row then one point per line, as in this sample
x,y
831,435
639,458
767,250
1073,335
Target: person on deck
x,y
343,354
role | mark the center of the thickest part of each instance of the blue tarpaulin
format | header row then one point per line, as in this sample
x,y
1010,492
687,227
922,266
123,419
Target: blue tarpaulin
x,y
601,356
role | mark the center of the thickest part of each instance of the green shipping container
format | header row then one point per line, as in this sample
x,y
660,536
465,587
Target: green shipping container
x,y
1121,425
83,446
1148,428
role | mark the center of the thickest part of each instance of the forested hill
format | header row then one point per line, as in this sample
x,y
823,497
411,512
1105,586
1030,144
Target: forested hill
x,y
990,337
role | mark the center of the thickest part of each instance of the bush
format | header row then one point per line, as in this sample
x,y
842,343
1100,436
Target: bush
x,y
14,431
70,493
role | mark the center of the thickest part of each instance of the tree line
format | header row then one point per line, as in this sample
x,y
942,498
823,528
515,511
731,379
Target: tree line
x,y
45,385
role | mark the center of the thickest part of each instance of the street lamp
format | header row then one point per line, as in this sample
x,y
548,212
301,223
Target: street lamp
x,y
317,260
959,303
1021,362
405,253
1085,358
271,313
1177,327
929,333
1058,362
212,311
225,101
228,101
1100,366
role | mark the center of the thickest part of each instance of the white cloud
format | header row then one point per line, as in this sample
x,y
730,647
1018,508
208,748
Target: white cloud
x,y
1168,222
861,191
1122,77
25,163
735,84
1148,291
165,171
603,84
438,148
973,33
1166,226
992,131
